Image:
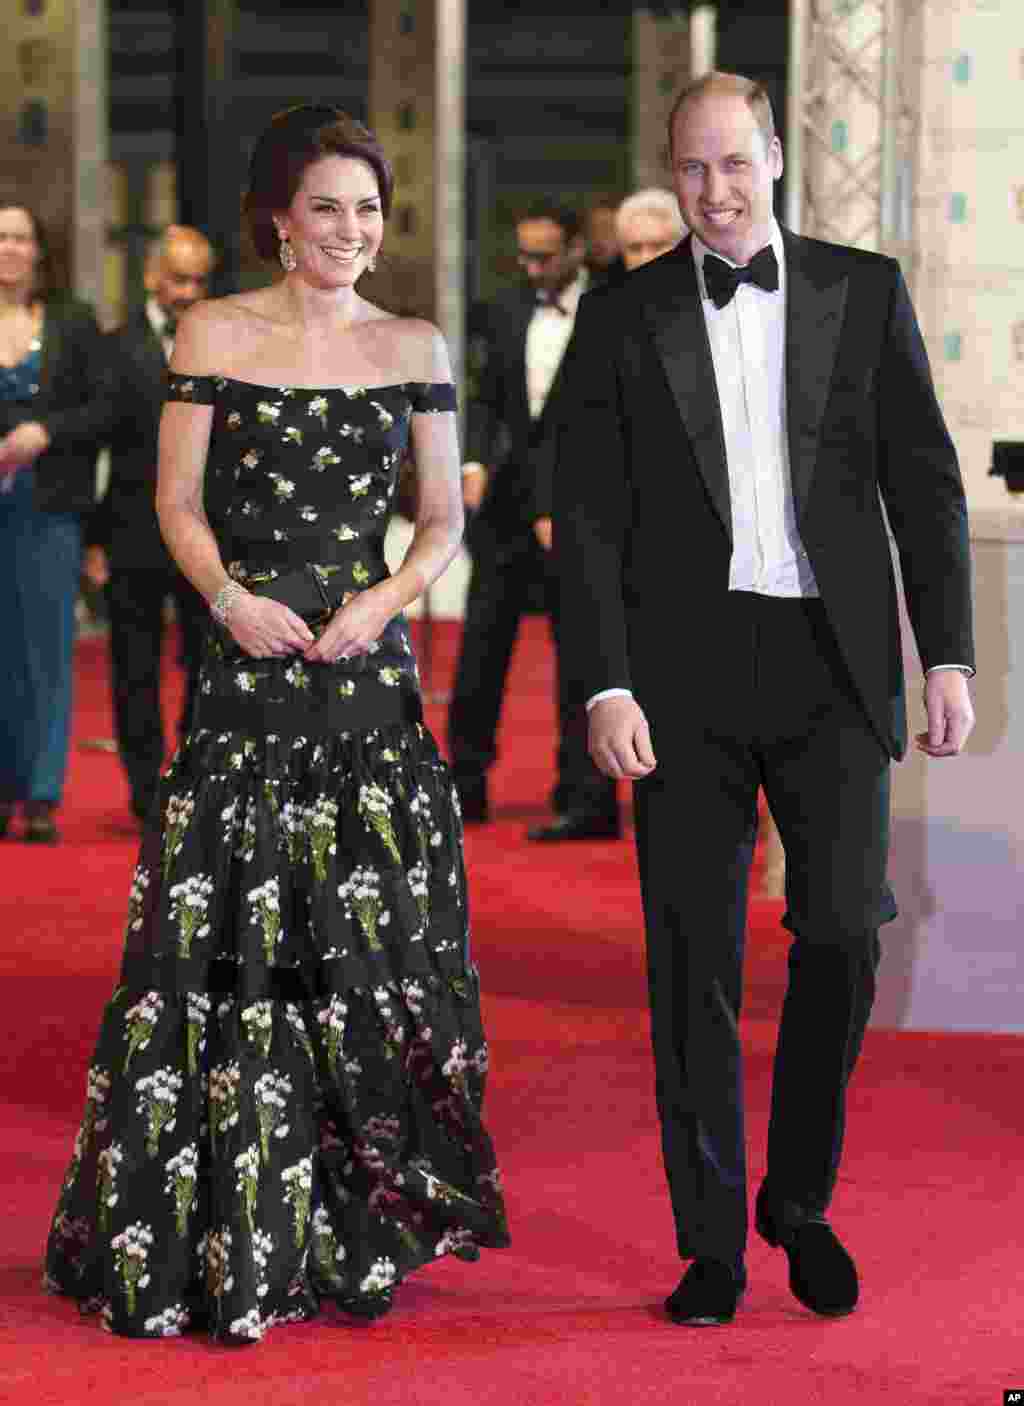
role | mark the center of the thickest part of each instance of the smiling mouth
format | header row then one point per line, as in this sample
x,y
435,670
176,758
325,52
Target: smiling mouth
x,y
342,256
721,217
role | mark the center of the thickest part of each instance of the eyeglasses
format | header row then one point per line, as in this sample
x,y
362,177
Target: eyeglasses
x,y
533,256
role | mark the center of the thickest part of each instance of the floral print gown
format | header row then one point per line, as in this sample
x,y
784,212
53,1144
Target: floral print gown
x,y
284,1102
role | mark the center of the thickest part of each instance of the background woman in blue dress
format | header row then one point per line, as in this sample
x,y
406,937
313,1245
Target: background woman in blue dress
x,y
51,415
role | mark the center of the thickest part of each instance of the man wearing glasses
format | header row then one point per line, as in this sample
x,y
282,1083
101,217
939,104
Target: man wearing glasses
x,y
510,425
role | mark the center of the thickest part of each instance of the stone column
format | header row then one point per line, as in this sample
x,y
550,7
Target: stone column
x,y
662,64
210,167
53,129
417,105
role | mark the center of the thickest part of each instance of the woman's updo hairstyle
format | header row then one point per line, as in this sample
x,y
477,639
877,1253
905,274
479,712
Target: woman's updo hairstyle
x,y
296,138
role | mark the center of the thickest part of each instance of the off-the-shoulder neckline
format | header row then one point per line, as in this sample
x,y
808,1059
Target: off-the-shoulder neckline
x,y
260,386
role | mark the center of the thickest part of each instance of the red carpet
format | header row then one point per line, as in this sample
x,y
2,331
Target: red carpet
x,y
928,1199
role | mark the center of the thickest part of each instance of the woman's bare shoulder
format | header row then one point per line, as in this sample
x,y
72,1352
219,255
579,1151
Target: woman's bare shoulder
x,y
413,346
208,333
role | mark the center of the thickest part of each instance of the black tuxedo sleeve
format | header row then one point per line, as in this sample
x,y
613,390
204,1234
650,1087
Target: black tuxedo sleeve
x,y
922,489
591,506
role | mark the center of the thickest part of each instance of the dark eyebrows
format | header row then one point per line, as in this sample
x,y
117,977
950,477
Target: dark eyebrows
x,y
333,199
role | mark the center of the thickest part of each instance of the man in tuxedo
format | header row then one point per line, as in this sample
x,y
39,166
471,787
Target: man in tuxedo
x,y
126,551
510,419
734,416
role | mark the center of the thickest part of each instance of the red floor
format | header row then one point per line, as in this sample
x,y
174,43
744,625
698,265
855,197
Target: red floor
x,y
928,1199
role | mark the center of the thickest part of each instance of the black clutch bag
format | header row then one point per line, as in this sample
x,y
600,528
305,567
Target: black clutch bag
x,y
303,591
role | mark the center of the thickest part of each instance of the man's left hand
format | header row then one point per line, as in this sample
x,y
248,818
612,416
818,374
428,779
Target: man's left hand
x,y
947,702
544,532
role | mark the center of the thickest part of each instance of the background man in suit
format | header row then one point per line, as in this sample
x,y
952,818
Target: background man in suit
x,y
126,550
733,414
510,421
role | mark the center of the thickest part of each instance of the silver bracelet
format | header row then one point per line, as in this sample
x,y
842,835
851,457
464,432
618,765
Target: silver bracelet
x,y
224,601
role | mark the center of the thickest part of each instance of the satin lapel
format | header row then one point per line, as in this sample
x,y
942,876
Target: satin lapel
x,y
671,306
815,301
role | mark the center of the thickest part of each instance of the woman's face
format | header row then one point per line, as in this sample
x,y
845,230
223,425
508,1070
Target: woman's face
x,y
19,248
335,223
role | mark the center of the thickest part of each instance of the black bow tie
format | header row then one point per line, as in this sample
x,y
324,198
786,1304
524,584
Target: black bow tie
x,y
544,301
721,279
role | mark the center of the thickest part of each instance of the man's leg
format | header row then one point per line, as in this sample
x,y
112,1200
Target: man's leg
x,y
696,820
830,798
586,801
493,608
136,598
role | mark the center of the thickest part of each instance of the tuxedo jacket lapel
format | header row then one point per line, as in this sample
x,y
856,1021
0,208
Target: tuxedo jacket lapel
x,y
674,315
815,301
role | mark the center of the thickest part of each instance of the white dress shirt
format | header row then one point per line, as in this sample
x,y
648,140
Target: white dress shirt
x,y
547,337
748,348
158,321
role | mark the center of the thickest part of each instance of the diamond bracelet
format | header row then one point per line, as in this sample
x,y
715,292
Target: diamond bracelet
x,y
225,600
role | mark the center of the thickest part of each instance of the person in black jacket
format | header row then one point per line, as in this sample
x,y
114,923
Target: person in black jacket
x,y
50,417
736,413
126,551
510,419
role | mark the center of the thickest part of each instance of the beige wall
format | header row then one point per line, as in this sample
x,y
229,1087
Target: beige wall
x,y
969,221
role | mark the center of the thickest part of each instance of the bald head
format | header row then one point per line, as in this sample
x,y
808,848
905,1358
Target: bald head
x,y
178,268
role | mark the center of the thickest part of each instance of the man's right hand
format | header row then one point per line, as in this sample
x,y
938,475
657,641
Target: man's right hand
x,y
620,740
474,486
96,567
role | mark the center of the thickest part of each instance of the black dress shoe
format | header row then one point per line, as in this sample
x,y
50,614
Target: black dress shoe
x,y
576,825
707,1294
822,1274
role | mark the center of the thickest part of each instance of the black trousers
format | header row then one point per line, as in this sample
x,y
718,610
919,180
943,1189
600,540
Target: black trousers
x,y
503,586
777,710
135,597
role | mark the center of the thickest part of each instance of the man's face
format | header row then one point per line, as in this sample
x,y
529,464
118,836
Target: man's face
x,y
645,236
180,275
602,241
548,260
724,174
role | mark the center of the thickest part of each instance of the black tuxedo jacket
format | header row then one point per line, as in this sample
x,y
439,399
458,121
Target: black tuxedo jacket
x,y
642,512
135,374
69,404
518,452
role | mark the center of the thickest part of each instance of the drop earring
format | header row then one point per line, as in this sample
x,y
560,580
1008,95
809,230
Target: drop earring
x,y
286,254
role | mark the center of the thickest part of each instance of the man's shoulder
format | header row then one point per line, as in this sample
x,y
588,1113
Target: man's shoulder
x,y
624,294
848,256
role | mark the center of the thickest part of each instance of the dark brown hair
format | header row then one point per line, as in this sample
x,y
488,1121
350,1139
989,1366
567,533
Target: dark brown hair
x,y
45,266
732,85
296,138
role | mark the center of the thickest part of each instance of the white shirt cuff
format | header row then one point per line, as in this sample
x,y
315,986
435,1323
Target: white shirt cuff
x,y
608,693
474,468
946,668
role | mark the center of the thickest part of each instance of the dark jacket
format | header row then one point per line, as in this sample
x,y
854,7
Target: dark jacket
x,y
643,522
69,405
135,373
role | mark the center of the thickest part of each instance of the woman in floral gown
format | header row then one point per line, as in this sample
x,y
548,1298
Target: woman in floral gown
x,y
284,1103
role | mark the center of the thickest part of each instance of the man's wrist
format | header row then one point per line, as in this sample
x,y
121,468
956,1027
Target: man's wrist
x,y
963,669
608,693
